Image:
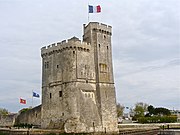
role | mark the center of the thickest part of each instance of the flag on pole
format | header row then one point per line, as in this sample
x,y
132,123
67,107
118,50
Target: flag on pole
x,y
36,95
22,101
94,9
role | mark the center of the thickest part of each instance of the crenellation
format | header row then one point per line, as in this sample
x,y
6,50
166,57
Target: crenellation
x,y
98,27
63,42
61,46
54,44
43,48
110,27
59,43
104,25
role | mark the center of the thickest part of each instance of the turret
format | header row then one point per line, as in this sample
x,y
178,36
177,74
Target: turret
x,y
99,36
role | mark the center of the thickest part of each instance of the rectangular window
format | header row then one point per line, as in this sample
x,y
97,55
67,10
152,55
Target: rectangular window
x,y
106,94
47,65
60,93
103,67
50,95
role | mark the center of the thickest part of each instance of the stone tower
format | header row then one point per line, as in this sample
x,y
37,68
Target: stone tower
x,y
78,93
99,36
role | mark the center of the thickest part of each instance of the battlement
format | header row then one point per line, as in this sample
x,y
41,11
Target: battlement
x,y
98,27
70,44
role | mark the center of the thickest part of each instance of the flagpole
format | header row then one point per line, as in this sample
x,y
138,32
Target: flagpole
x,y
88,16
32,98
88,11
19,104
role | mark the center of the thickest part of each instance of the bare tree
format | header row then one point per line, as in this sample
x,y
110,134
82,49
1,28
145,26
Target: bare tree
x,y
120,109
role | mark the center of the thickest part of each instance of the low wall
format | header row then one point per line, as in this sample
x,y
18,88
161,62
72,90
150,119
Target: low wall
x,y
7,120
32,116
5,131
170,132
152,125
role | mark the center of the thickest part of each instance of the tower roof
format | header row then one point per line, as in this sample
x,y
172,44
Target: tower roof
x,y
74,39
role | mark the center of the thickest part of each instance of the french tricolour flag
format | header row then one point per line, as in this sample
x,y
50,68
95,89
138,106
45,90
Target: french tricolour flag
x,y
94,9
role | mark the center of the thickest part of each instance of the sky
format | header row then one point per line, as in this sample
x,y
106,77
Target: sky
x,y
145,45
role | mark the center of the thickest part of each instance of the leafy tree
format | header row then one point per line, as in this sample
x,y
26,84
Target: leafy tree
x,y
140,109
157,111
3,111
162,111
151,110
120,109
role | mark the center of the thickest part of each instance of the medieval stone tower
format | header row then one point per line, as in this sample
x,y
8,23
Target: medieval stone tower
x,y
78,93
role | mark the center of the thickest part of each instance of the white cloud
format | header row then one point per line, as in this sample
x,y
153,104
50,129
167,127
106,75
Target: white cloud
x,y
157,82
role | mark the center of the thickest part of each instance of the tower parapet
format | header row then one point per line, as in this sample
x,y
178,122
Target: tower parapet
x,y
97,27
70,44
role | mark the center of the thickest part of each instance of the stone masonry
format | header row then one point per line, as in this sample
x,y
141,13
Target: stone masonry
x,y
32,116
7,120
78,93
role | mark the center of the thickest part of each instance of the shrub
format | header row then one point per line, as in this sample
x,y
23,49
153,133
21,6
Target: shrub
x,y
158,119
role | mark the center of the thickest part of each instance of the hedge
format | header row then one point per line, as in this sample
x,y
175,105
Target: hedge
x,y
158,119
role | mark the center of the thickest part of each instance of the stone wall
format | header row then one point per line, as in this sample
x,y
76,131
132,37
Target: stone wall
x,y
150,131
7,120
32,116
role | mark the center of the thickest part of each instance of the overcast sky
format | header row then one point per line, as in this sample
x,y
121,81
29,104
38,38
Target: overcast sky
x,y
145,41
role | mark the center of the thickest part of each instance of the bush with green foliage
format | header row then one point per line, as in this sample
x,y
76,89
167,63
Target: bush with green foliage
x,y
3,134
24,110
24,125
3,111
158,119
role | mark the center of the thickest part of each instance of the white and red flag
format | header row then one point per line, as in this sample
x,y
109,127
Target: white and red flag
x,y
22,101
